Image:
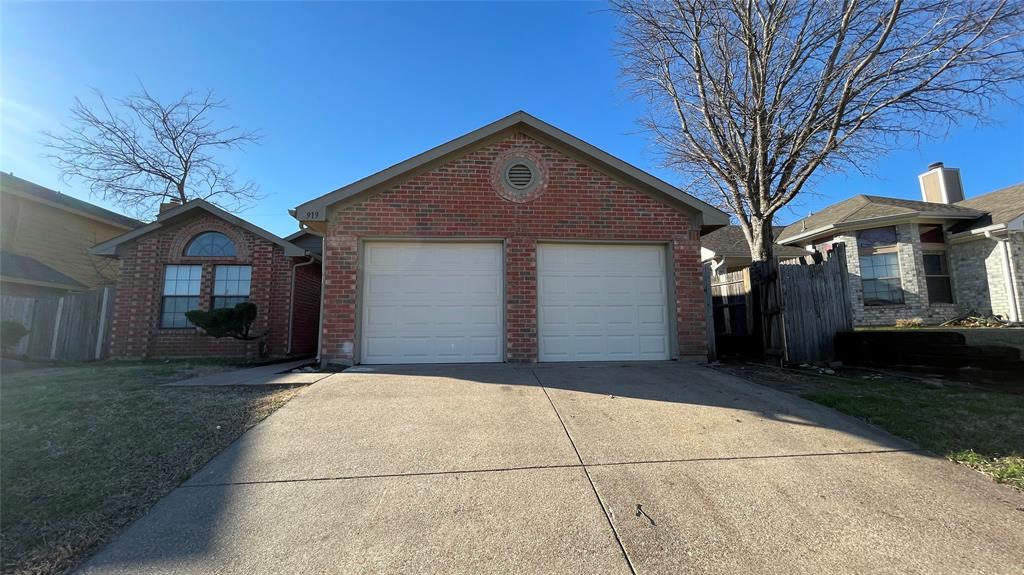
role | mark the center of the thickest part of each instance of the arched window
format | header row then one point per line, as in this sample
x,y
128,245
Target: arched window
x,y
210,244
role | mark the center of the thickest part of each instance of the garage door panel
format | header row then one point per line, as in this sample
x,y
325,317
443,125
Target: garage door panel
x,y
554,284
556,347
655,346
431,302
554,316
620,285
652,317
485,317
484,347
650,285
620,316
614,306
381,315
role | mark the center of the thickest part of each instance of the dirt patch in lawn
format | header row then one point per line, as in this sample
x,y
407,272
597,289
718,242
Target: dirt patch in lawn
x,y
975,426
88,449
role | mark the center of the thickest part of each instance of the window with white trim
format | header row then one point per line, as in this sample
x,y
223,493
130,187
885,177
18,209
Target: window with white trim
x,y
231,285
211,244
181,294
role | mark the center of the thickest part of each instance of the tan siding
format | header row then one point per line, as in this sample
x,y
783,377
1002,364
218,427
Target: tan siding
x,y
59,239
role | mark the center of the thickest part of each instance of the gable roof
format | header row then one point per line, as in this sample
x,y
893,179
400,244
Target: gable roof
x,y
22,268
10,183
108,248
1001,207
316,209
864,209
730,242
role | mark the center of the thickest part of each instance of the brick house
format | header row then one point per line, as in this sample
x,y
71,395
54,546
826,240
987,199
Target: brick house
x,y
197,256
516,242
933,259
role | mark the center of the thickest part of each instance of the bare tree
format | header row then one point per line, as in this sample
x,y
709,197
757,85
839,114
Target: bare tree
x,y
752,98
147,151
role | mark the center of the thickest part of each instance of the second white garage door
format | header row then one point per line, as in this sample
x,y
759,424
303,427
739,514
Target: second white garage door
x,y
599,302
434,302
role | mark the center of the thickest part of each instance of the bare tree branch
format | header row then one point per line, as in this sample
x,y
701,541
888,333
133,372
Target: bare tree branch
x,y
148,151
752,99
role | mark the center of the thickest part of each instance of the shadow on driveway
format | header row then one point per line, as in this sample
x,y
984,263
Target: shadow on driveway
x,y
542,468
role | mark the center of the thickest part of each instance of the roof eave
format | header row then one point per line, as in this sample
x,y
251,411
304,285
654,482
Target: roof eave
x,y
858,224
109,247
317,209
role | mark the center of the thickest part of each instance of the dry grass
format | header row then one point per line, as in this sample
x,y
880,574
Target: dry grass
x,y
980,428
88,449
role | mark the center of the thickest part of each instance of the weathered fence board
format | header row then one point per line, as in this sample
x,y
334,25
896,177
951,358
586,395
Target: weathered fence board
x,y
817,303
790,311
72,327
709,314
730,297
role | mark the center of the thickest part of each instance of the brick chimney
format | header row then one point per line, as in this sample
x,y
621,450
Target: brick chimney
x,y
170,205
941,185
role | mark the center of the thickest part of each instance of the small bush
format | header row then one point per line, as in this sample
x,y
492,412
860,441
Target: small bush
x,y
234,322
910,322
11,333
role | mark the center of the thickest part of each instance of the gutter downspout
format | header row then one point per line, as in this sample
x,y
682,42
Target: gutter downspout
x,y
323,294
291,310
1011,285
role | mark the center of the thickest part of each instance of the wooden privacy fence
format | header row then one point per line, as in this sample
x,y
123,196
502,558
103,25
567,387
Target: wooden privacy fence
x,y
72,327
788,311
816,303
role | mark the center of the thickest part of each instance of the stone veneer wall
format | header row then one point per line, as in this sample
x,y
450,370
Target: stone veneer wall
x,y
981,279
915,292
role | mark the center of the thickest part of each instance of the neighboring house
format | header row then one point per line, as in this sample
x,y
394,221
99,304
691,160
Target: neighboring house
x,y
931,259
197,256
727,250
516,242
45,238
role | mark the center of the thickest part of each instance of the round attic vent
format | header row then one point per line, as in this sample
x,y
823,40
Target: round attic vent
x,y
519,176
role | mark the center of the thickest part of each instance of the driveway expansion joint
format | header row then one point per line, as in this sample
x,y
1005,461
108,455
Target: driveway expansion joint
x,y
600,503
579,465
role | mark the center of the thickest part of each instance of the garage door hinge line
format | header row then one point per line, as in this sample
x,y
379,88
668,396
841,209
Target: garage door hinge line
x,y
600,503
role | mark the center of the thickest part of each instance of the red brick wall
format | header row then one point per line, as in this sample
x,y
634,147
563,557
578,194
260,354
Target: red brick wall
x,y
136,330
457,199
306,313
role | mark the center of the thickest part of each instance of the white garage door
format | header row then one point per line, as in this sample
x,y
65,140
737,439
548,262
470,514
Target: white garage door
x,y
602,302
431,302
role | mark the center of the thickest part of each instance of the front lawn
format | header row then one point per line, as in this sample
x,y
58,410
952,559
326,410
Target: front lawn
x,y
976,427
87,449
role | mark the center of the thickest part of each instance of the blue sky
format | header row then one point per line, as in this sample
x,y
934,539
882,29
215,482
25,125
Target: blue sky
x,y
340,91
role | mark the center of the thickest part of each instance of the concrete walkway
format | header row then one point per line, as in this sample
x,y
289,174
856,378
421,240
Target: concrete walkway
x,y
649,468
273,374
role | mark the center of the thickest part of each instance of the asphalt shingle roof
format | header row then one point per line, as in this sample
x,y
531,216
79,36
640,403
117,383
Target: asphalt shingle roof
x,y
730,241
1001,207
10,182
17,266
863,208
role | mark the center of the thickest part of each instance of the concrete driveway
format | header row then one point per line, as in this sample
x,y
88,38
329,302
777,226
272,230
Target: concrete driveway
x,y
647,468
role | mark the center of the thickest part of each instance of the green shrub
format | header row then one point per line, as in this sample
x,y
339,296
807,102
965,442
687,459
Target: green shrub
x,y
234,322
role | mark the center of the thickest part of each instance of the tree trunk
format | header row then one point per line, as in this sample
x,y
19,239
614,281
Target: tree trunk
x,y
761,239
